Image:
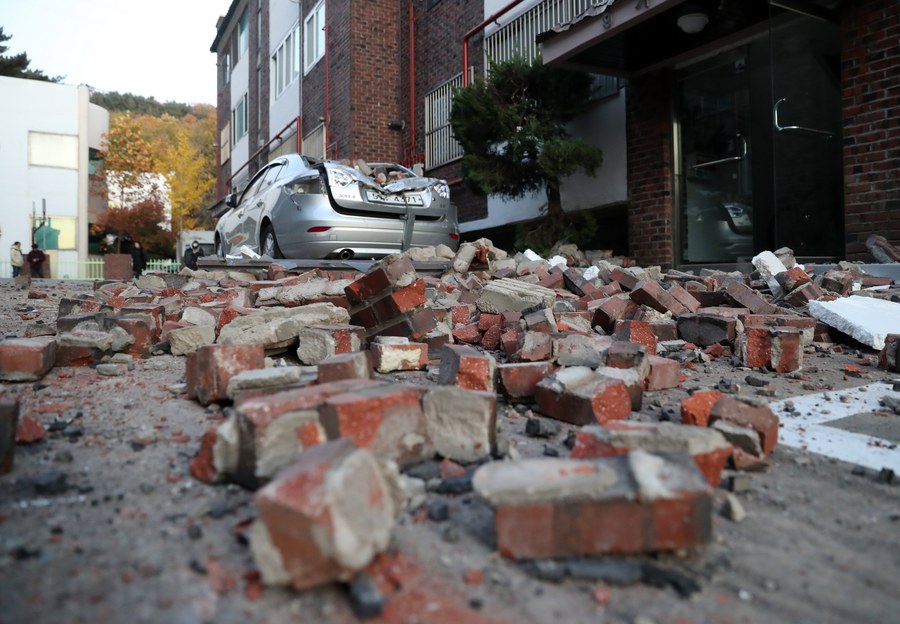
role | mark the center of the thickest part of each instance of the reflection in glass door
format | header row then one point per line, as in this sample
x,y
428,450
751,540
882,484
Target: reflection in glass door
x,y
716,180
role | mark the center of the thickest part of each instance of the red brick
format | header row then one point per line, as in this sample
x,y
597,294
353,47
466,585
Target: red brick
x,y
759,418
468,334
707,328
519,380
467,368
414,325
648,292
209,369
792,278
787,350
613,309
26,359
390,355
636,331
9,421
889,356
511,341
541,321
579,396
203,466
326,517
755,347
803,294
536,347
260,453
695,409
387,420
709,450
354,365
567,508
491,338
626,280
664,373
30,429
746,297
400,301
684,297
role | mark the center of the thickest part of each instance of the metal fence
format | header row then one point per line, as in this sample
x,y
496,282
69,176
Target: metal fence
x,y
90,269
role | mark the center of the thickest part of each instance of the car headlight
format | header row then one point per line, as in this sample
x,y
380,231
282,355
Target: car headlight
x,y
442,189
337,177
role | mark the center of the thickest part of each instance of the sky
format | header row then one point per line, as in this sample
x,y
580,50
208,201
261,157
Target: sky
x,y
157,48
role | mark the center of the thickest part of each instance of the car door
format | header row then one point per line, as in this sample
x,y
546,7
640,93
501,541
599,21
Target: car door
x,y
237,232
258,205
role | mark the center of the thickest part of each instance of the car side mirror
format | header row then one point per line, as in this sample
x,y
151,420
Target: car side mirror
x,y
231,200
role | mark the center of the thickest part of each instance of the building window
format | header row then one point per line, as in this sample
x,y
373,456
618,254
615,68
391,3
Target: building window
x,y
226,67
244,33
286,61
440,146
53,150
314,31
239,120
55,232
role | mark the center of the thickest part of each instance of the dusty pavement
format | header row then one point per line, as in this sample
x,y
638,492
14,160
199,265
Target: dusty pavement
x,y
101,521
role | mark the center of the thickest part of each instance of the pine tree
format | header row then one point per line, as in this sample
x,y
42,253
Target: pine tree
x,y
512,128
16,65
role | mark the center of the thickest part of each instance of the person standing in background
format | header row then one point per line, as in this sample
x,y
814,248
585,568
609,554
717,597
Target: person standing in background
x,y
36,259
16,259
138,258
192,255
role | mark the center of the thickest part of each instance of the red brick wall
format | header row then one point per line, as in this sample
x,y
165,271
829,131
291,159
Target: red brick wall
x,y
313,85
439,33
870,76
375,89
649,132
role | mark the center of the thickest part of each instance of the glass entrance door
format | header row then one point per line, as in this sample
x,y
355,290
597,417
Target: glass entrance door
x,y
807,146
716,178
760,154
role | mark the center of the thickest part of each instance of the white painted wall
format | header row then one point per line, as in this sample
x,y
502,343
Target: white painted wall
x,y
284,15
239,85
36,106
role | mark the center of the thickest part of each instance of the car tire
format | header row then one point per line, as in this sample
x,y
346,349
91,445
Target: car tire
x,y
269,243
220,248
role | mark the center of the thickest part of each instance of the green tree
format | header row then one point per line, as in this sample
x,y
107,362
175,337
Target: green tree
x,y
16,65
512,129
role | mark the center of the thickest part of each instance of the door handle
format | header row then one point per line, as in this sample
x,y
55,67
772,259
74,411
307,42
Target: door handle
x,y
800,129
743,152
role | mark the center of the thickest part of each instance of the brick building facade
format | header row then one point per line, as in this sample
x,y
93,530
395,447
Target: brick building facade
x,y
384,60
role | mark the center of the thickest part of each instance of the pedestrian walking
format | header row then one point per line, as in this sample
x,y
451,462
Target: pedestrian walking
x,y
36,259
16,259
138,258
192,255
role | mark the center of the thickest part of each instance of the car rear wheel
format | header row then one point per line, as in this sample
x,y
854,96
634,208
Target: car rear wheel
x,y
269,242
220,248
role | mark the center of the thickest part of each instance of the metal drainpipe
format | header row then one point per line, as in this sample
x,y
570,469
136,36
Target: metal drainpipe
x,y
412,84
327,83
478,29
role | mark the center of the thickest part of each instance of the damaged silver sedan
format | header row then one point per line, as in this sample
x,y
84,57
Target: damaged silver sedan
x,y
297,207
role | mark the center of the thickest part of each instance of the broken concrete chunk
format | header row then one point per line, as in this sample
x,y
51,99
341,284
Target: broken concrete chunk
x,y
186,339
511,295
274,377
462,424
279,327
865,319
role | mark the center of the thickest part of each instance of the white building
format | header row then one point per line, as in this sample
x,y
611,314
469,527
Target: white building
x,y
49,140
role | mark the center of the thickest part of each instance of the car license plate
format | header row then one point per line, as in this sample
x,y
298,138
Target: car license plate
x,y
400,200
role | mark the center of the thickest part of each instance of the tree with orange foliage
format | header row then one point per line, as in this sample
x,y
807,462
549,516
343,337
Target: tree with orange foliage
x,y
142,221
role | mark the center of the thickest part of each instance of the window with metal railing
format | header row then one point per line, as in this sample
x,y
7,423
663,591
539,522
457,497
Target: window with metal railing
x,y
440,146
519,37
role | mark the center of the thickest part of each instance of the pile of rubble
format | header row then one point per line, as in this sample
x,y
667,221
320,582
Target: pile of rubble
x,y
318,421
